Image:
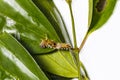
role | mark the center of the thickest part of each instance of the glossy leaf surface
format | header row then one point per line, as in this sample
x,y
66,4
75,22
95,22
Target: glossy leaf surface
x,y
99,13
54,16
16,62
28,18
30,26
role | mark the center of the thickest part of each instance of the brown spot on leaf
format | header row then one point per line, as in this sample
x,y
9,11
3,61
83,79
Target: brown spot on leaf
x,y
101,5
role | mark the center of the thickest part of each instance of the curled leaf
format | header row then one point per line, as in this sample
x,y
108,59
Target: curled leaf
x,y
99,13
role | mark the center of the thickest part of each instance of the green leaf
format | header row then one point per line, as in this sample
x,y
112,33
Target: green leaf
x,y
5,75
2,22
60,63
99,13
16,62
30,25
56,77
54,16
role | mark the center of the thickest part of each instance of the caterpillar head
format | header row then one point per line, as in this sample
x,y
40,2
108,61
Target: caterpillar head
x,y
63,46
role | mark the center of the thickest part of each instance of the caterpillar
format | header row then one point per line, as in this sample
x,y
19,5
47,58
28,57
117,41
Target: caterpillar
x,y
47,44
63,46
51,44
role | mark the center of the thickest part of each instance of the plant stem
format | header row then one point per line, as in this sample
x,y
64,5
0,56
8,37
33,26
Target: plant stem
x,y
80,48
85,71
76,50
78,66
73,26
83,42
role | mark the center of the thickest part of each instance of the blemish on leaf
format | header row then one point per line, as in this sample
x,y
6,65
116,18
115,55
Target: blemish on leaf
x,y
101,5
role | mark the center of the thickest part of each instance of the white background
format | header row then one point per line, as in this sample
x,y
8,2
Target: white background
x,y
101,53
